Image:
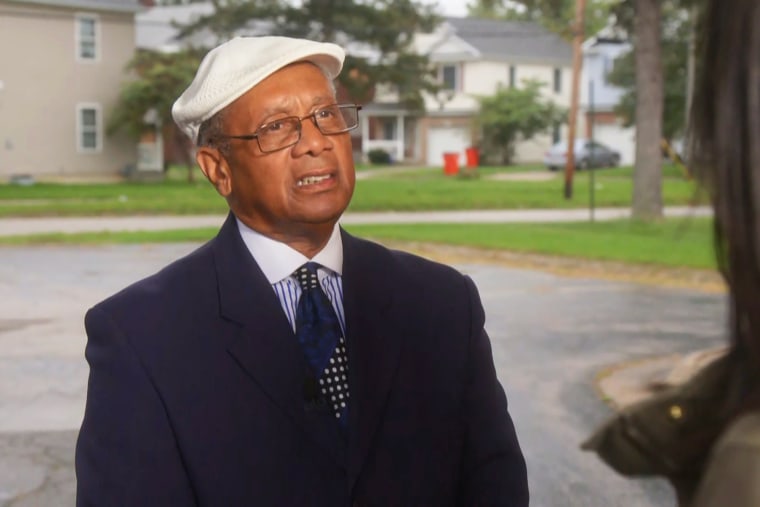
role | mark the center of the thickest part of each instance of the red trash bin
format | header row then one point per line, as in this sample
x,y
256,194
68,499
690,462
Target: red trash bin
x,y
450,163
473,157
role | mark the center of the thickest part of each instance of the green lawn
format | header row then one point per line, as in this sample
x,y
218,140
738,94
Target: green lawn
x,y
681,242
422,189
169,198
431,190
675,242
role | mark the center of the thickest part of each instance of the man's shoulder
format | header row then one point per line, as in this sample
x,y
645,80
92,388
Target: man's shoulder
x,y
165,286
395,262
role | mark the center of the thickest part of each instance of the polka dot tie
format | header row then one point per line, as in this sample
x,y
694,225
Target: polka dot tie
x,y
319,333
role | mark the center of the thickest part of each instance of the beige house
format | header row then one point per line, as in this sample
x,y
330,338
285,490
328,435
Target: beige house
x,y
61,68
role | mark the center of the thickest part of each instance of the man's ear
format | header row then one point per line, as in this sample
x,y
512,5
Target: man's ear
x,y
214,166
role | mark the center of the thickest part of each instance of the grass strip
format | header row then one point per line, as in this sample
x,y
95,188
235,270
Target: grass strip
x,y
683,242
414,190
672,243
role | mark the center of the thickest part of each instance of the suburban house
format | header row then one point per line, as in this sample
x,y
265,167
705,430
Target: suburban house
x,y
473,57
62,65
598,97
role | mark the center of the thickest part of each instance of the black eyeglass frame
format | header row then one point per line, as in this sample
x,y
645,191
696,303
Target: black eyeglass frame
x,y
299,128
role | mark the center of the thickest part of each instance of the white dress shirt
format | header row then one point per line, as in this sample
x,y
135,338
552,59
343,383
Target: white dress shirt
x,y
278,262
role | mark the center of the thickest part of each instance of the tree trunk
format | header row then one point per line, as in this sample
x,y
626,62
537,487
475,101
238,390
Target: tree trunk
x,y
185,150
647,174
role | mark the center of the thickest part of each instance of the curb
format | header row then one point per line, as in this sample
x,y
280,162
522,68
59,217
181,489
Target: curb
x,y
622,384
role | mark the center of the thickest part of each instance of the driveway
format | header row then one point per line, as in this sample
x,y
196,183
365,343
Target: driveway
x,y
551,335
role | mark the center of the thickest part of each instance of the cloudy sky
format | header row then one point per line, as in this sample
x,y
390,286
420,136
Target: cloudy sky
x,y
452,7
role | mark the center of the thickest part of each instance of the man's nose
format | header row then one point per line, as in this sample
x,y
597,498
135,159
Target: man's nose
x,y
312,139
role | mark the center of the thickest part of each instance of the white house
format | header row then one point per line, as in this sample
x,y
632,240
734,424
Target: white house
x,y
474,57
598,97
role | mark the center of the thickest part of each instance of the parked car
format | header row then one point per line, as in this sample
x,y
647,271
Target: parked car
x,y
587,154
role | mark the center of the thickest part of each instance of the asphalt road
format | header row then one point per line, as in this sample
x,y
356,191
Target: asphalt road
x,y
550,336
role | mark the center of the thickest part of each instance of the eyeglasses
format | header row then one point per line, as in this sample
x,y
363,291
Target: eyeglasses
x,y
285,132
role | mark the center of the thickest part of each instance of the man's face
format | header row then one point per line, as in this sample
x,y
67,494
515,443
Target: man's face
x,y
298,190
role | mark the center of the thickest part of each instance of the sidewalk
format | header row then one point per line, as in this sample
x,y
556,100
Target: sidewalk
x,y
46,225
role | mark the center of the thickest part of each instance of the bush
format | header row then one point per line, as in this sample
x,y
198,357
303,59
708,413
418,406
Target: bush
x,y
379,156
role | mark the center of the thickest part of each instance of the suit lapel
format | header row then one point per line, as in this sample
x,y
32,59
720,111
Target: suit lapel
x,y
374,345
264,345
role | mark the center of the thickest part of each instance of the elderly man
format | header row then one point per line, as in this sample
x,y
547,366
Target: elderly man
x,y
286,362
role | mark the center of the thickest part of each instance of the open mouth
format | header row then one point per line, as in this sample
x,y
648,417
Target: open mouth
x,y
311,180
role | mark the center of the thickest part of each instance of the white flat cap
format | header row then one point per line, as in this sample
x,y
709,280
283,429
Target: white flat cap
x,y
230,70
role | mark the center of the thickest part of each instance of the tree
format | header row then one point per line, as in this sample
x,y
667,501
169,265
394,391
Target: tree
x,y
159,79
652,22
557,16
515,114
675,47
384,27
647,174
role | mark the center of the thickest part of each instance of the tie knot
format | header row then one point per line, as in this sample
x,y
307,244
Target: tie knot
x,y
307,276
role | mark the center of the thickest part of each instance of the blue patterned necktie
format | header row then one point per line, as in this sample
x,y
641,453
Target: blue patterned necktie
x,y
319,333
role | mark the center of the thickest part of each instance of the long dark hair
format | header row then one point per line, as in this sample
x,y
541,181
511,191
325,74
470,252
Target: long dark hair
x,y
725,154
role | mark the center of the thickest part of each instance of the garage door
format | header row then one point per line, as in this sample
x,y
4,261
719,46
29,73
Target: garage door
x,y
444,140
619,139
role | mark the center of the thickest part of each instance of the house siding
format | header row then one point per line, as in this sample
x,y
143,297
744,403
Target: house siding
x,y
44,83
483,78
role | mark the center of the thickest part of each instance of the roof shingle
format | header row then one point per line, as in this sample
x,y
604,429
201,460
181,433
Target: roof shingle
x,y
512,40
100,5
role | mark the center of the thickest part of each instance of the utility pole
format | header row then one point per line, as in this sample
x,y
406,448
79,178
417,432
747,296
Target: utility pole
x,y
578,31
591,170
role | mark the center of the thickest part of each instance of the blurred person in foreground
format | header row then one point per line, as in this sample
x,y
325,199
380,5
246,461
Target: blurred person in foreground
x,y
726,153
703,435
287,362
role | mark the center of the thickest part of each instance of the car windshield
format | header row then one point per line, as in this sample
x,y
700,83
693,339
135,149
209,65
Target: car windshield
x,y
562,145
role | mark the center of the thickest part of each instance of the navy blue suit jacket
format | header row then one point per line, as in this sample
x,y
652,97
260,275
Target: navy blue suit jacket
x,y
196,393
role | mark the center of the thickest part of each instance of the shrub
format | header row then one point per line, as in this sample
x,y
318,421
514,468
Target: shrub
x,y
379,156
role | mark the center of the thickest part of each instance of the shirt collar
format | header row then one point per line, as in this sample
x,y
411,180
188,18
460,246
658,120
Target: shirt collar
x,y
278,261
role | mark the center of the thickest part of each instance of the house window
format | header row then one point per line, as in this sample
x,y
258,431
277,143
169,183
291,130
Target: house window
x,y
556,133
449,76
557,80
87,30
89,128
607,65
389,128
512,76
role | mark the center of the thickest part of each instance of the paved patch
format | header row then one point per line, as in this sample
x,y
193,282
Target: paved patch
x,y
36,469
526,176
